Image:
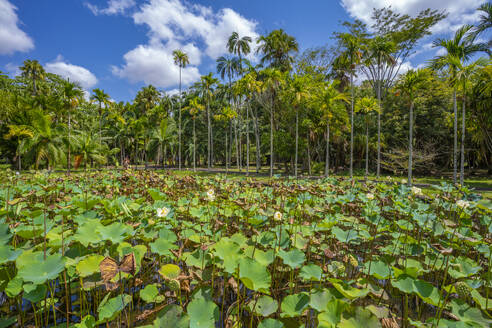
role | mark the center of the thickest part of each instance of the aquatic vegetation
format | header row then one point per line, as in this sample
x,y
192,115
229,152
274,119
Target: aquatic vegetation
x,y
137,248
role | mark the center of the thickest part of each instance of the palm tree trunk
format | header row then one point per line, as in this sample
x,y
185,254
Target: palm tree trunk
x,y
208,136
258,148
410,145
463,130
237,145
226,150
351,124
247,140
19,155
194,146
327,162
179,128
239,154
378,168
68,156
297,142
308,153
455,143
271,141
367,149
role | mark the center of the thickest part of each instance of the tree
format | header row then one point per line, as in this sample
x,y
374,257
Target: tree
x,y
33,70
19,132
351,55
367,105
181,59
46,143
485,21
463,75
206,85
409,85
72,94
277,48
162,135
299,90
194,108
329,97
459,49
239,46
102,98
378,53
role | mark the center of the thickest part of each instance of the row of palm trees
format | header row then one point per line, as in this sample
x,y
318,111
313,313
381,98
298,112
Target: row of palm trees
x,y
280,87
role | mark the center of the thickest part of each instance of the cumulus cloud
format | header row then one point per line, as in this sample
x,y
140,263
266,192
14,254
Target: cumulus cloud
x,y
73,72
12,38
460,11
114,7
173,24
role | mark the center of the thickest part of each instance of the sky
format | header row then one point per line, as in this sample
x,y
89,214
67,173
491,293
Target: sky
x,y
121,45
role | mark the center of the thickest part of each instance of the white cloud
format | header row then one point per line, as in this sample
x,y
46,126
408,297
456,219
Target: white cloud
x,y
12,69
154,64
114,7
460,11
173,24
12,38
73,72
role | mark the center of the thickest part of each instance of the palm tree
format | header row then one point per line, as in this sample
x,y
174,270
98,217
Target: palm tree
x,y
239,46
72,93
33,70
46,143
409,85
463,75
162,135
379,51
299,89
102,98
485,21
206,85
367,105
181,59
89,149
329,96
277,48
272,78
350,56
20,132
460,47
194,108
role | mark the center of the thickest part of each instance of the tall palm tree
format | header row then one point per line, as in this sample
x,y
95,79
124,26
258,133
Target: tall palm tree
x,y
272,79
162,135
239,46
277,48
194,108
207,83
19,132
463,75
34,71
485,21
72,93
350,56
329,96
47,142
299,88
379,51
460,47
102,98
409,85
181,59
367,105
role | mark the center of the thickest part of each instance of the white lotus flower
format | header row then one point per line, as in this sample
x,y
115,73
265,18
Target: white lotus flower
x,y
370,196
277,216
463,203
163,212
211,195
417,191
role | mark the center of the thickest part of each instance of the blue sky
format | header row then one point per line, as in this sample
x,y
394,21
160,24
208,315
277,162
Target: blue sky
x,y
121,45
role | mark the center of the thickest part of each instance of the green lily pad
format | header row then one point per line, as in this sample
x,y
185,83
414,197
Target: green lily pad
x,y
294,305
203,313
